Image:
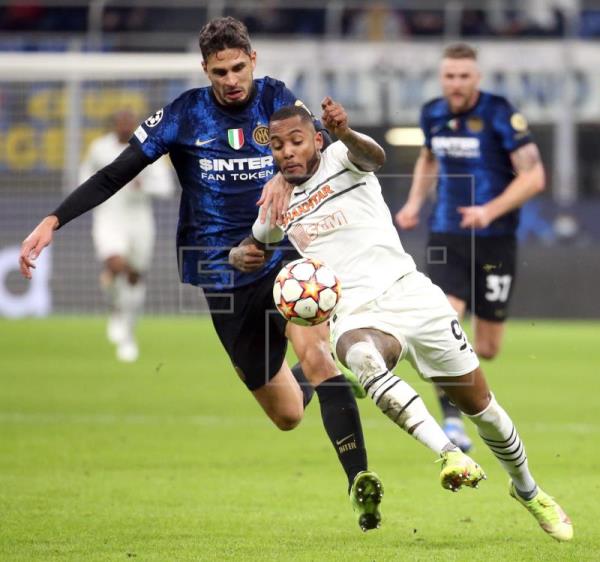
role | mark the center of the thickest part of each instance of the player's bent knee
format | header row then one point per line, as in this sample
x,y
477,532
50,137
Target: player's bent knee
x,y
286,421
115,264
487,350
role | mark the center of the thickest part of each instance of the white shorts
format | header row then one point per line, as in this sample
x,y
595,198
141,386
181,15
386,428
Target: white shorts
x,y
131,237
417,313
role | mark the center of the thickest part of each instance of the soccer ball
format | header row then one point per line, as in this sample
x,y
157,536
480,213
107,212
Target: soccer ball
x,y
306,292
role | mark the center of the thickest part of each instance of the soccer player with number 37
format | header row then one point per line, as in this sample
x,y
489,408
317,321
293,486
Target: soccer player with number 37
x,y
388,310
487,166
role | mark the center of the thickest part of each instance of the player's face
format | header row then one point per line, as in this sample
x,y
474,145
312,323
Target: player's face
x,y
231,73
296,148
460,83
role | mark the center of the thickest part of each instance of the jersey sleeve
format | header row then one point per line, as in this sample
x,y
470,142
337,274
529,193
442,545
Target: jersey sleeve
x,y
102,185
338,153
155,136
511,126
423,123
264,233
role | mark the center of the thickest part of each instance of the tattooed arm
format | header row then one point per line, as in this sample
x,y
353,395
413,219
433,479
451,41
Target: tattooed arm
x,y
362,150
529,181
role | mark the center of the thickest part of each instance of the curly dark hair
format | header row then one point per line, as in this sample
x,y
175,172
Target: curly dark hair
x,y
223,33
289,111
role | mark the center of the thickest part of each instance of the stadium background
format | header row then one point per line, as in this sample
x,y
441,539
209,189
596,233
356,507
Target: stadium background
x,y
68,65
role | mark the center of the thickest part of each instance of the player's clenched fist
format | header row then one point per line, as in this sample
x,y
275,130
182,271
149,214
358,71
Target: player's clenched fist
x,y
477,216
32,246
334,117
408,217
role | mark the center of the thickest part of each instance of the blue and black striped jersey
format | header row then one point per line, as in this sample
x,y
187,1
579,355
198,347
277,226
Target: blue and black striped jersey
x,y
222,159
473,151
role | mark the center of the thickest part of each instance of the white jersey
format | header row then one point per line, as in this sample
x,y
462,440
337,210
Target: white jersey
x,y
135,197
339,217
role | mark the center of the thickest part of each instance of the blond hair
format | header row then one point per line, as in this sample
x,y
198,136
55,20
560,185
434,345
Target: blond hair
x,y
460,51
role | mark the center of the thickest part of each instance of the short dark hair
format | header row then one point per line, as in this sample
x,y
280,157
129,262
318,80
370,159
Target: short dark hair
x,y
289,111
223,33
460,51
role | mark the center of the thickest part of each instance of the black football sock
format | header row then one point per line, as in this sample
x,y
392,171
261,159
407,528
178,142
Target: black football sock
x,y
449,410
305,386
342,423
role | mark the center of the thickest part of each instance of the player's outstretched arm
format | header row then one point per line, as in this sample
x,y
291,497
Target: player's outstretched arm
x,y
97,189
424,174
362,150
32,246
529,181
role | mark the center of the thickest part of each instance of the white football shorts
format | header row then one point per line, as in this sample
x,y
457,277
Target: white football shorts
x,y
417,313
131,236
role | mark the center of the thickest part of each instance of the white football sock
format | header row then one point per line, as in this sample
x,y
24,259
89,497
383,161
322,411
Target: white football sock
x,y
131,302
119,290
109,285
134,297
499,433
396,398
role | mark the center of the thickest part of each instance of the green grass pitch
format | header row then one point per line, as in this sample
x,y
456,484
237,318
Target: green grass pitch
x,y
171,459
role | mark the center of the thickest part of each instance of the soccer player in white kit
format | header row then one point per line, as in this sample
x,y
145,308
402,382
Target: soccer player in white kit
x,y
123,232
388,310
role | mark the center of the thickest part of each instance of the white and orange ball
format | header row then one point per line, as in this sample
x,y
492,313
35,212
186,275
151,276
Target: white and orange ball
x,y
306,292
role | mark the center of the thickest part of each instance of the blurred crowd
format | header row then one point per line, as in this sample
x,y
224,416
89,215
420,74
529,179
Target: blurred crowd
x,y
374,21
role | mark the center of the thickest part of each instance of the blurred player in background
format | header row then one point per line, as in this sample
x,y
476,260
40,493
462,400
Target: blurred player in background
x,y
123,232
480,150
218,141
388,310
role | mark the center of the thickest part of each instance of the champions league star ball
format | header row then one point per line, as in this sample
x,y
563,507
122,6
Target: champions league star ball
x,y
306,292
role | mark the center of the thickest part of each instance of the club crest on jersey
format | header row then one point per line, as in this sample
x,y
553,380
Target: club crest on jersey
x,y
155,119
260,135
235,138
475,124
518,122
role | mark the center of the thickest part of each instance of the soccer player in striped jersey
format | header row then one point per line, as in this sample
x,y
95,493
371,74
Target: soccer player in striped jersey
x,y
388,310
487,166
217,138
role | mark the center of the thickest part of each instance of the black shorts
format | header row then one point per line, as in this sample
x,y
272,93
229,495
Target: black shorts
x,y
487,289
251,330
